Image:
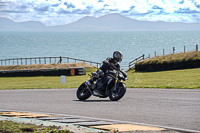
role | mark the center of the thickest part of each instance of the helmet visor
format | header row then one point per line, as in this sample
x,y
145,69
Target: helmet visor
x,y
119,57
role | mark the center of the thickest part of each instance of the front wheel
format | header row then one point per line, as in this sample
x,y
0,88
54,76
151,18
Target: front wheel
x,y
83,93
116,94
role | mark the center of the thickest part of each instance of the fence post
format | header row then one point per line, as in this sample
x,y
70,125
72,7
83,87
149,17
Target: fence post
x,y
197,47
143,56
44,60
173,50
21,62
26,61
163,51
184,49
60,59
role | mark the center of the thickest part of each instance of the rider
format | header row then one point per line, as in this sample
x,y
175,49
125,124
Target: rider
x,y
108,64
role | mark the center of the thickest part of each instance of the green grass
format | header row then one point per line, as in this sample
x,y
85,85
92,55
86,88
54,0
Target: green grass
x,y
187,79
42,82
14,127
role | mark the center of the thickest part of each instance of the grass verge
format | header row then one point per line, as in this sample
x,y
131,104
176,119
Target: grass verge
x,y
43,82
186,79
172,58
14,127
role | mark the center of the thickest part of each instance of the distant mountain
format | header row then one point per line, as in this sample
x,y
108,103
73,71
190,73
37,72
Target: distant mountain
x,y
111,22
9,25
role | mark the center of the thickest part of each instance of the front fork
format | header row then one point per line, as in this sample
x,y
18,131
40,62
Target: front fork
x,y
115,83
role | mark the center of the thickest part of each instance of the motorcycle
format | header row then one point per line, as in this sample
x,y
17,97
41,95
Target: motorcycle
x,y
114,89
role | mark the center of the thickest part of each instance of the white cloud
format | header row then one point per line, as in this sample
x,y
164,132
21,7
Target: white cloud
x,y
56,12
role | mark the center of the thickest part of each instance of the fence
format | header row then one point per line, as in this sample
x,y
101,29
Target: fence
x,y
44,60
56,60
174,50
132,63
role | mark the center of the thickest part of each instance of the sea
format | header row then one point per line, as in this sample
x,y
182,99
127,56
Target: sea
x,y
96,46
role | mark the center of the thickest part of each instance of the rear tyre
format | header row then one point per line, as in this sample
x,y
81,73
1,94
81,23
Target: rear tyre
x,y
83,93
115,95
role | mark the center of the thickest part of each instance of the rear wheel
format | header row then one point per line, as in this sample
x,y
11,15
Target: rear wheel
x,y
118,93
83,93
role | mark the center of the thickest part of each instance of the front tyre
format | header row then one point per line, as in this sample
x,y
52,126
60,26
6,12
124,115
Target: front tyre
x,y
83,93
118,93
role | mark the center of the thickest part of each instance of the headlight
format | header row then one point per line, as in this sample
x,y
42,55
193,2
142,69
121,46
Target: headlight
x,y
121,75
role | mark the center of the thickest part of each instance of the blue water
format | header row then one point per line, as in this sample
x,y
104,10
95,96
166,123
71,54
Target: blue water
x,y
95,46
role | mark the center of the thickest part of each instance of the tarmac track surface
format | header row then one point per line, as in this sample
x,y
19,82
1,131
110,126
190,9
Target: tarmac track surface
x,y
178,108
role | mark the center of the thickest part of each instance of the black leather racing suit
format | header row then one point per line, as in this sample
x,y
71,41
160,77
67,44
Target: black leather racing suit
x,y
108,64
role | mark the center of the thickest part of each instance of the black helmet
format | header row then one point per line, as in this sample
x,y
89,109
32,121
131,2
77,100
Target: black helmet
x,y
118,56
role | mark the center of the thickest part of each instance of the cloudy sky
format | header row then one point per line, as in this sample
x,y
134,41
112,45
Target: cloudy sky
x,y
59,12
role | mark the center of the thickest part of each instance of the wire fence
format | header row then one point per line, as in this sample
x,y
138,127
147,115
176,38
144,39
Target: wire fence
x,y
175,50
163,52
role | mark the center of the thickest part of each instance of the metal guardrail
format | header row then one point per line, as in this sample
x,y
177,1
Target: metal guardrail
x,y
44,60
